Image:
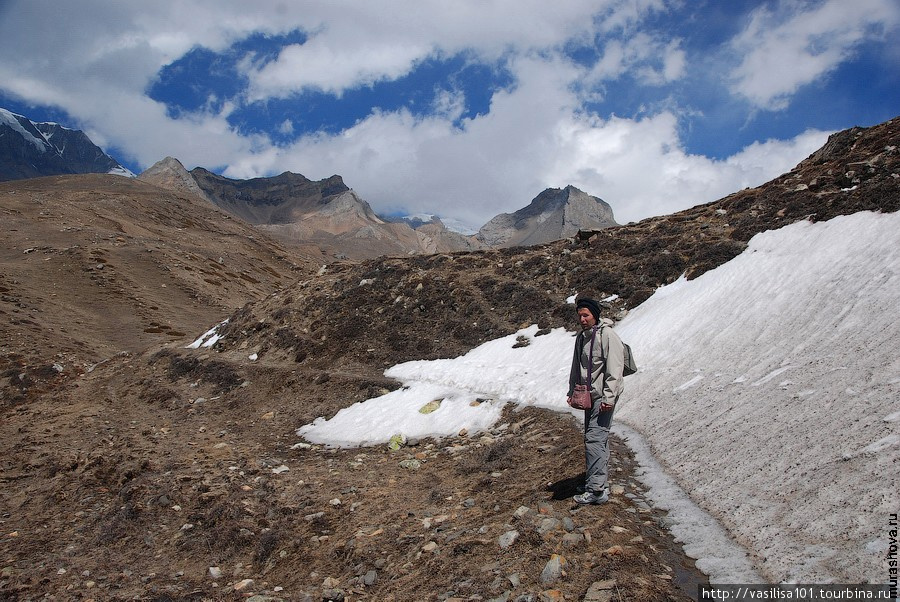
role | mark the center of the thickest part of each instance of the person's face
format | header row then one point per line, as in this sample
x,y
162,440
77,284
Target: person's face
x,y
586,318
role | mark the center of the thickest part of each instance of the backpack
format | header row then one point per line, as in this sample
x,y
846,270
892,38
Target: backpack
x,y
630,366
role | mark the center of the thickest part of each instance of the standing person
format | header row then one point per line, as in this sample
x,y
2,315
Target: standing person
x,y
599,359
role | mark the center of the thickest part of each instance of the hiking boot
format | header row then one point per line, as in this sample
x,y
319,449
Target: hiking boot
x,y
590,497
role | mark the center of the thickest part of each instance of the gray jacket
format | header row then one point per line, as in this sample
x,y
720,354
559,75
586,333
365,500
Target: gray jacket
x,y
606,378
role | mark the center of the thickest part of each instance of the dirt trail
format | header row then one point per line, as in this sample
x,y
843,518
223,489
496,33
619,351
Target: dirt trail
x,y
146,480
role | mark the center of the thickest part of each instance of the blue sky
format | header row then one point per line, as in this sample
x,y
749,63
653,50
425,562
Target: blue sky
x,y
464,109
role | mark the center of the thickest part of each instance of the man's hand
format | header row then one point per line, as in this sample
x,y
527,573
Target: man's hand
x,y
606,407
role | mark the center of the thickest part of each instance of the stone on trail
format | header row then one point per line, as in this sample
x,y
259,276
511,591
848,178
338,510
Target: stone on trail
x,y
553,570
243,584
601,591
507,539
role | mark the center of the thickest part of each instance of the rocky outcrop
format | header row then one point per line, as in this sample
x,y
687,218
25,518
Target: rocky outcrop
x,y
280,199
171,175
552,215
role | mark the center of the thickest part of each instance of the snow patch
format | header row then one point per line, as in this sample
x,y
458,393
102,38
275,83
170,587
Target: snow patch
x,y
9,119
208,338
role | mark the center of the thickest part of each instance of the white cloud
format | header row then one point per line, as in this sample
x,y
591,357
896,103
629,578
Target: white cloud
x,y
639,167
534,137
332,68
286,127
345,51
97,59
654,61
786,49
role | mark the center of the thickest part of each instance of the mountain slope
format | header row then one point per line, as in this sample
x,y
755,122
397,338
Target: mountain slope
x,y
277,200
30,150
769,391
92,265
170,174
473,297
81,155
326,215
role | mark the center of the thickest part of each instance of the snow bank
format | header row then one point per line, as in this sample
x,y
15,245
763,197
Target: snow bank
x,y
497,371
767,390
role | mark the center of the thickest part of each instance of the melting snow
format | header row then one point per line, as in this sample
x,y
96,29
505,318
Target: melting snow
x,y
208,338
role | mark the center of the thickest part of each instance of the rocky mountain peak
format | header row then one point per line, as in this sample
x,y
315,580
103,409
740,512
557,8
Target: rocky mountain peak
x,y
169,173
30,150
554,214
81,154
280,199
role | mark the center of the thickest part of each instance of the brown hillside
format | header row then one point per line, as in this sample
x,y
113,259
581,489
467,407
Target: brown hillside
x,y
95,265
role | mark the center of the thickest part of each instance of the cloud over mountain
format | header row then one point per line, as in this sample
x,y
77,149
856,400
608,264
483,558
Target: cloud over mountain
x,y
461,109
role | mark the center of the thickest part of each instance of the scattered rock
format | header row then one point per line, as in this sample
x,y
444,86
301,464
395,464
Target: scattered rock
x,y
601,591
554,569
333,595
507,539
613,551
243,584
548,524
572,540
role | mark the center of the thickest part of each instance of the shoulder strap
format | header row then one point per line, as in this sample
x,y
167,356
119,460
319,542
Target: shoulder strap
x,y
590,365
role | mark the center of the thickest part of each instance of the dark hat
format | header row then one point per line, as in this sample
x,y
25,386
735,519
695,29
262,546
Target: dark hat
x,y
591,305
